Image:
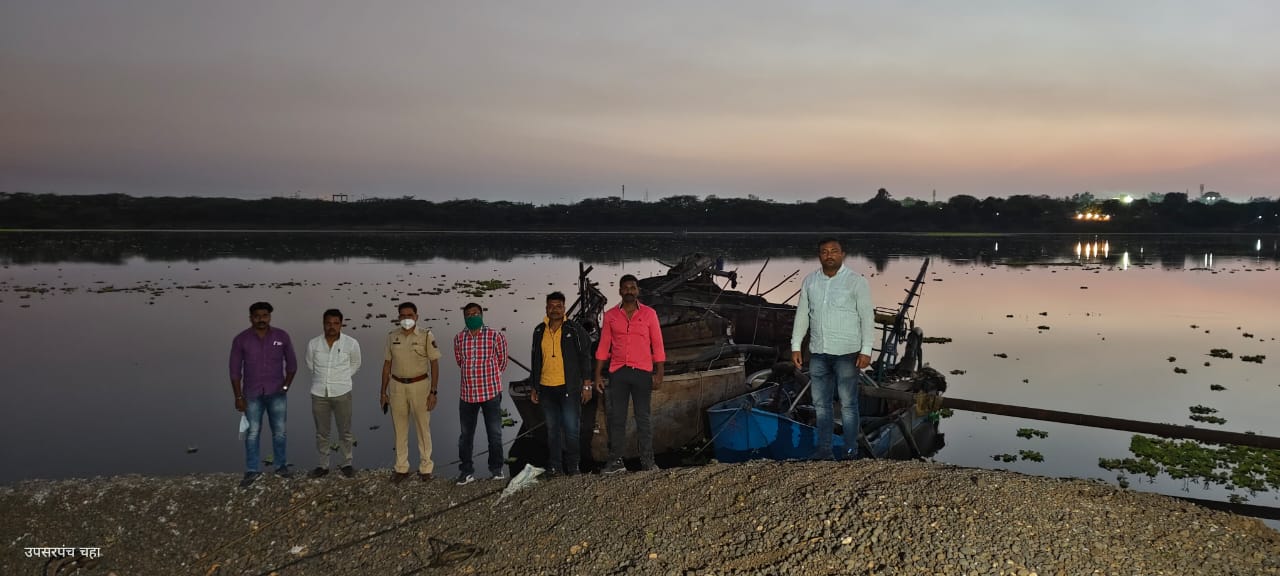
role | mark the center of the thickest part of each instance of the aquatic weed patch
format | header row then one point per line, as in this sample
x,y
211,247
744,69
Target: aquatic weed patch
x,y
1236,467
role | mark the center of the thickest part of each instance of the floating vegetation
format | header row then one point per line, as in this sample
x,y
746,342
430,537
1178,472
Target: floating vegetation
x,y
1000,355
1248,335
935,340
1177,370
1031,455
1044,313
1217,387
1220,353
1236,467
1042,327
1208,419
945,413
478,288
1004,457
1255,359
1032,433
1173,359
957,372
1201,409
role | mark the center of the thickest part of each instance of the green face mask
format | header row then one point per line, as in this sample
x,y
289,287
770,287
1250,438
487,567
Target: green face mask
x,y
474,322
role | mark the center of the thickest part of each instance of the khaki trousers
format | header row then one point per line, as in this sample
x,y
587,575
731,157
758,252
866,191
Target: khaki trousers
x,y
332,408
409,403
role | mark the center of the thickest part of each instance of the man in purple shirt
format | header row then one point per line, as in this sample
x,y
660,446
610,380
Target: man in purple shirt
x,y
262,368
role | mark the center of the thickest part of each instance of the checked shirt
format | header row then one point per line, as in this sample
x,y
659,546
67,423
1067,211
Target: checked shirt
x,y
482,357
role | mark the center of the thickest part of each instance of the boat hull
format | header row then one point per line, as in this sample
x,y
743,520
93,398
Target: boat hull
x,y
742,430
677,414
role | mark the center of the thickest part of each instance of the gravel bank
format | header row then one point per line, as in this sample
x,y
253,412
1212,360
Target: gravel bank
x,y
869,517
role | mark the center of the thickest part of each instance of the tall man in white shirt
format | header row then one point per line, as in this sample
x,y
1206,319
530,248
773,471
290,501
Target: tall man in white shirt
x,y
835,311
333,358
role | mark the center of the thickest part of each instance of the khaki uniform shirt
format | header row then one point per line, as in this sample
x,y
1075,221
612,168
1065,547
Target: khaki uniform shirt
x,y
411,354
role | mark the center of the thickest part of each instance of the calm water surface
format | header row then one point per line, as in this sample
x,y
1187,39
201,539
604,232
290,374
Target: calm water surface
x,y
116,355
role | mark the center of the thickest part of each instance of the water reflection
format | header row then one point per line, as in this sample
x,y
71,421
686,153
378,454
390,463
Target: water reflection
x,y
880,249
158,354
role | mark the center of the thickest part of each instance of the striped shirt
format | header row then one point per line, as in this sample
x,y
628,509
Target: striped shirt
x,y
836,313
482,357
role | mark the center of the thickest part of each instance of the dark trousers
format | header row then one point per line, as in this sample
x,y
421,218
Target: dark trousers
x,y
636,386
563,415
467,412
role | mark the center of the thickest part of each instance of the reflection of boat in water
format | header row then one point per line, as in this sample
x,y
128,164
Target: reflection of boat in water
x,y
713,336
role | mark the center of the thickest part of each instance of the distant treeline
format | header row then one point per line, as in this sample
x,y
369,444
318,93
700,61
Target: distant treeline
x,y
1021,213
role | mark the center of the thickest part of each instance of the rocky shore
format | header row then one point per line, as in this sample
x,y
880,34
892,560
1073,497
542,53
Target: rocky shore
x,y
869,517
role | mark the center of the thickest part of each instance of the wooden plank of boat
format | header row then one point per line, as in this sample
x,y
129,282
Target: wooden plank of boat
x,y
1157,429
676,412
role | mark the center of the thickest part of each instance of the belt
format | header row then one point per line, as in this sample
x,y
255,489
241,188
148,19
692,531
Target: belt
x,y
410,380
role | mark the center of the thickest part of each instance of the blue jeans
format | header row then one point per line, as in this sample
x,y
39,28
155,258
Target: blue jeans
x,y
275,405
467,412
563,415
829,373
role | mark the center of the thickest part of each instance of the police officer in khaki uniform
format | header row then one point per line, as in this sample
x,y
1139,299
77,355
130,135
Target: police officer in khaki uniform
x,y
410,389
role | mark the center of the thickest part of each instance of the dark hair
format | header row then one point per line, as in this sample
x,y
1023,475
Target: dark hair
x,y
408,305
830,239
627,278
471,305
256,306
555,296
333,312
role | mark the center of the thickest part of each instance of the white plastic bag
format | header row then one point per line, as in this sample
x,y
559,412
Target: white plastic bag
x,y
244,425
526,478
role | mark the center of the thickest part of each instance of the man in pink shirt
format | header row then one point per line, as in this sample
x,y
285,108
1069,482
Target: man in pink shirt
x,y
631,340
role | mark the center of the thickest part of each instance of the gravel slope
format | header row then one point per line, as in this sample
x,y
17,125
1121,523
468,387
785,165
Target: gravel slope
x,y
868,517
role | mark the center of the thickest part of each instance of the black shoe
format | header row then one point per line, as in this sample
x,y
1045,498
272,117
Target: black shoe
x,y
318,472
398,477
647,466
615,467
284,472
425,476
551,473
348,471
249,479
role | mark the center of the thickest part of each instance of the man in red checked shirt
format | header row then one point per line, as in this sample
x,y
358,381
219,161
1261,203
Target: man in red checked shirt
x,y
631,340
481,352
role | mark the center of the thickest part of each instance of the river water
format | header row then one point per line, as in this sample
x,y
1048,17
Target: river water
x,y
115,359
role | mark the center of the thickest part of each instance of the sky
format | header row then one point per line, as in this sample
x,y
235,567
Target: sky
x,y
556,101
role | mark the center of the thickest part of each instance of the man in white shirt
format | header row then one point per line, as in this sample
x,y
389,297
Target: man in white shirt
x,y
333,358
835,311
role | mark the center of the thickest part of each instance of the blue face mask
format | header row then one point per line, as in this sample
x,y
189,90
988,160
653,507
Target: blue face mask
x,y
474,322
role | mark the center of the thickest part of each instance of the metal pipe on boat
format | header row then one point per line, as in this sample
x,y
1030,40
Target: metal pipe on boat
x,y
1163,430
517,363
784,281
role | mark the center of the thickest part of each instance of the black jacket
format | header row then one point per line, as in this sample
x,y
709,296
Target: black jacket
x,y
577,358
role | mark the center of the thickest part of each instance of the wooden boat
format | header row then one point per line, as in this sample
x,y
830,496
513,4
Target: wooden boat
x,y
771,422
705,365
